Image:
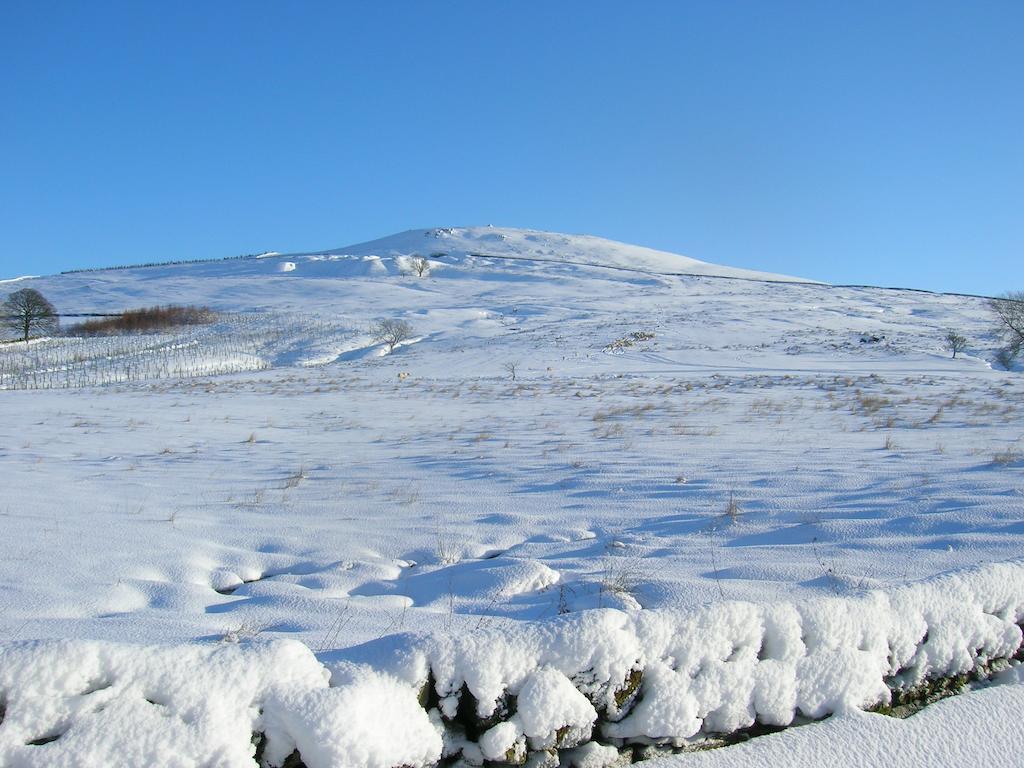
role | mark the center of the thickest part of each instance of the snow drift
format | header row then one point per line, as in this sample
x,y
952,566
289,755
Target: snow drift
x,y
579,688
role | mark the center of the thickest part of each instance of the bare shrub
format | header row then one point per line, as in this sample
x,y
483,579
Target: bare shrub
x,y
145,320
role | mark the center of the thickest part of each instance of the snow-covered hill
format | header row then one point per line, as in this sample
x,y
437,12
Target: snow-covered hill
x,y
481,283
457,243
305,281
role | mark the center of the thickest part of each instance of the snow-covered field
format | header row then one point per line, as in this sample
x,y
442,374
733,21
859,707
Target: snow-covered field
x,y
574,425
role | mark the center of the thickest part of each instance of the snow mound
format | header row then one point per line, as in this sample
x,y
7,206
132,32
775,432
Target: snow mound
x,y
167,706
501,577
370,720
459,242
80,703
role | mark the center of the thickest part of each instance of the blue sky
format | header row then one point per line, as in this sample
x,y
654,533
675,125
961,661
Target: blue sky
x,y
867,142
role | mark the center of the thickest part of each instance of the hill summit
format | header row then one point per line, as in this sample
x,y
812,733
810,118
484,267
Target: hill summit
x,y
506,242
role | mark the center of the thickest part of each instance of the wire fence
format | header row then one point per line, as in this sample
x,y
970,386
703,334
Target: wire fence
x,y
236,343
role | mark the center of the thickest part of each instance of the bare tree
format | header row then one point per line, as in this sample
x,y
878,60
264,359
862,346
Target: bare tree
x,y
392,332
415,265
27,312
1009,312
419,266
511,367
955,342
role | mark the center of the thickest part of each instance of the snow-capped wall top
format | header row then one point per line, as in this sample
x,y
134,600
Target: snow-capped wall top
x,y
545,246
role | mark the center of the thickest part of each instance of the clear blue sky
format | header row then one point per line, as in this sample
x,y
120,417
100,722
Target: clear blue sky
x,y
877,142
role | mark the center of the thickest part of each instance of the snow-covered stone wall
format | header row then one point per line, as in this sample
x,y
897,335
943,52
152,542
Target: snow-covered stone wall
x,y
578,688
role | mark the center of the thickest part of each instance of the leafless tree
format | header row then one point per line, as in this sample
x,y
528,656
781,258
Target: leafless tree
x,y
419,266
1009,312
955,342
392,332
27,312
511,367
